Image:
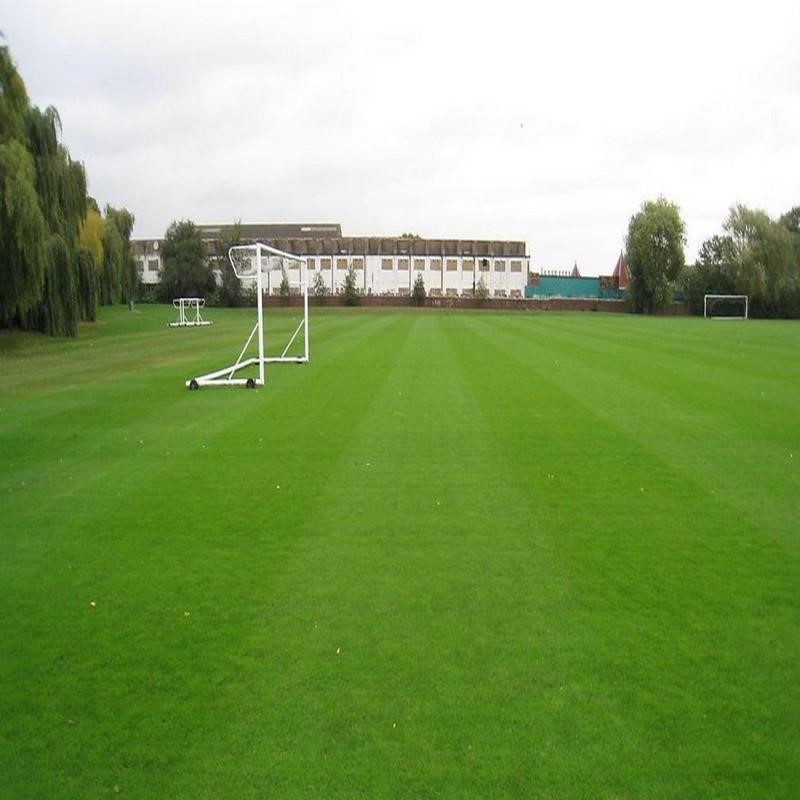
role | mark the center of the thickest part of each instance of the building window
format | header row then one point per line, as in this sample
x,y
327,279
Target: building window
x,y
436,263
402,263
499,265
419,263
311,263
386,263
358,263
516,266
341,263
484,265
324,263
452,265
468,264
152,264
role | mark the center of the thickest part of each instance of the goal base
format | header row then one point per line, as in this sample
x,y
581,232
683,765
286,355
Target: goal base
x,y
225,377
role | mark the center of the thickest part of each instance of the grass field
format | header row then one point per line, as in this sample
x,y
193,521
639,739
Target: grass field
x,y
456,555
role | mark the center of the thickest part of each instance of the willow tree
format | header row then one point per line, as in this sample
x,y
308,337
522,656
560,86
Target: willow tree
x,y
90,260
61,186
23,229
122,220
50,261
656,237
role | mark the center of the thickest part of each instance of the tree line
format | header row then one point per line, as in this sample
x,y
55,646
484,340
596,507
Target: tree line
x,y
753,255
59,256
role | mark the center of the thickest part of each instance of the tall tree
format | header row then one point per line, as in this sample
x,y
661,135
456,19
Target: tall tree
x,y
655,242
23,235
23,228
186,272
90,260
61,186
791,221
52,245
714,272
123,220
766,268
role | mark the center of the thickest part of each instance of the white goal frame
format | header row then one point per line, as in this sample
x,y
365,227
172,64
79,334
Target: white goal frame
x,y
184,304
708,297
255,264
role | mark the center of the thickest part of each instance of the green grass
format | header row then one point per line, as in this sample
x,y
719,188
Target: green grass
x,y
456,555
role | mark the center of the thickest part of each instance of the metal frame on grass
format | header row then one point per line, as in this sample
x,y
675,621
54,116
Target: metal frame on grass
x,y
708,297
184,304
249,267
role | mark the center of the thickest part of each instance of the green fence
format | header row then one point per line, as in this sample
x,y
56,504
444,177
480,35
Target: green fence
x,y
563,286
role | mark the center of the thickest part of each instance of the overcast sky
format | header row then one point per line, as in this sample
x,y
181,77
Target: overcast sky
x,y
550,123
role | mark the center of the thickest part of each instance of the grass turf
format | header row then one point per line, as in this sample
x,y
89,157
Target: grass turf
x,y
458,554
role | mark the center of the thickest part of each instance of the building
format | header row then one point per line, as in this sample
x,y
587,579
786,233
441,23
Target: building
x,y
383,266
570,284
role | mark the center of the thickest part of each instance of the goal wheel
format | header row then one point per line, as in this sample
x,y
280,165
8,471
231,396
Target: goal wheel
x,y
251,383
193,385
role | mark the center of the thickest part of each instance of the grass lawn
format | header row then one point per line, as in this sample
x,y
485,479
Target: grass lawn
x,y
456,555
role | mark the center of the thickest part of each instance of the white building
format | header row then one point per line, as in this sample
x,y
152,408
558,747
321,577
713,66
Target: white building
x,y
383,266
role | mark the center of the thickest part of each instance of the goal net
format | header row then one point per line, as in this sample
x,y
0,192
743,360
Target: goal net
x,y
725,306
281,335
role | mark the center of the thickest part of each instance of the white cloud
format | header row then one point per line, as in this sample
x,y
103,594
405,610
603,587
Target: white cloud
x,y
464,119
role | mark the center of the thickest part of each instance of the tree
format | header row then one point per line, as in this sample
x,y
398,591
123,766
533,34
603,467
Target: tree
x,y
123,220
481,291
350,288
714,272
113,256
765,261
418,293
284,290
655,242
318,288
791,221
90,260
186,271
51,247
23,235
230,290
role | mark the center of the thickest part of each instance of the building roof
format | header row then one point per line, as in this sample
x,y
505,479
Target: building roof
x,y
575,273
621,271
325,239
270,230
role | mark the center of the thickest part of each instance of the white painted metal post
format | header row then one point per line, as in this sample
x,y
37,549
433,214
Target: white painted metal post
x,y
304,273
259,289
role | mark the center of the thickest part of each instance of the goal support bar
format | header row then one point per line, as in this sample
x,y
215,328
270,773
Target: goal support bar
x,y
227,375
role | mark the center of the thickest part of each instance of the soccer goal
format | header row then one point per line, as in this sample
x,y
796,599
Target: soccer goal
x,y
188,312
272,271
725,306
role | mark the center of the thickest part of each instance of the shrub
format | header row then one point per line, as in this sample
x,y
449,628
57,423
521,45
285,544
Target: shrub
x,y
418,293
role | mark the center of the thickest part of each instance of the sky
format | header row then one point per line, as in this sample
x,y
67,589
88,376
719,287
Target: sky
x,y
545,122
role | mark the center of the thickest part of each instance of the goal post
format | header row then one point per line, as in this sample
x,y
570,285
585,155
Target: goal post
x,y
252,262
188,309
725,306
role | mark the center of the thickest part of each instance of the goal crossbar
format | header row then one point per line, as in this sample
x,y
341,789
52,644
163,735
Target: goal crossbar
x,y
253,267
713,297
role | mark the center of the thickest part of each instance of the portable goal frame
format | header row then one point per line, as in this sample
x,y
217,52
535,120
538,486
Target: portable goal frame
x,y
184,304
708,297
252,262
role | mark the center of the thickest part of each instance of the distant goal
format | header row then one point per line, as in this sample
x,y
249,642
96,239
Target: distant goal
x,y
725,306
